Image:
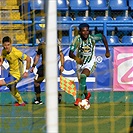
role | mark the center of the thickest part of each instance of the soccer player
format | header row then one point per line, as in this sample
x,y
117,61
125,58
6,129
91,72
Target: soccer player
x,y
41,71
15,59
84,44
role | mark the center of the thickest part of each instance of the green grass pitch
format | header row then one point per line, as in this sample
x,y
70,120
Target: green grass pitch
x,y
106,117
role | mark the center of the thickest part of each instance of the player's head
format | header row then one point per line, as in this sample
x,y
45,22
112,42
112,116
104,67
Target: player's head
x,y
7,43
84,30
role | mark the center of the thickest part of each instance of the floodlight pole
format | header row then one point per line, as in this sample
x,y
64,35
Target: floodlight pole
x,y
51,67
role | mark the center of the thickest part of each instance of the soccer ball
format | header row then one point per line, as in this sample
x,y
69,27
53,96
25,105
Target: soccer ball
x,y
84,104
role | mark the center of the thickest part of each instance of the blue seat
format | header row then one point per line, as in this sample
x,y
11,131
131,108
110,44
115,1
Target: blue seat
x,y
62,5
37,4
104,18
85,19
113,40
118,4
124,28
64,26
65,40
130,4
98,4
127,40
78,5
41,25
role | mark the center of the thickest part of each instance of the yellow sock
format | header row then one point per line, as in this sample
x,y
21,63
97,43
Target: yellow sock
x,y
18,97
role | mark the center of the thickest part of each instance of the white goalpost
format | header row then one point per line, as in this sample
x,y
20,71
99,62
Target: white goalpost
x,y
51,67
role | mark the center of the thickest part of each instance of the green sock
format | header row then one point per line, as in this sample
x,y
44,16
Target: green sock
x,y
85,91
82,85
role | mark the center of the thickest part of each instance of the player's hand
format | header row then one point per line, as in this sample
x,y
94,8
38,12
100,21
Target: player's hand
x,y
79,61
107,54
61,69
25,75
32,69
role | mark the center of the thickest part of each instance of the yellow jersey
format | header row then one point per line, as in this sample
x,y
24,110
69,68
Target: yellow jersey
x,y
15,59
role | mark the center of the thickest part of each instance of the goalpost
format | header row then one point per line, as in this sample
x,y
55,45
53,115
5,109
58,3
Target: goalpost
x,y
51,67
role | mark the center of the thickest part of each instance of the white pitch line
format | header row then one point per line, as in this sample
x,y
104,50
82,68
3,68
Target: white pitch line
x,y
69,117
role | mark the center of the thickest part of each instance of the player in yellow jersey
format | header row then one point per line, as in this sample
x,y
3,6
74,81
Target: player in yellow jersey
x,y
15,59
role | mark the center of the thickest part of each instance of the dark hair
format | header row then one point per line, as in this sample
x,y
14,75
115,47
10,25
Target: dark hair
x,y
6,39
82,25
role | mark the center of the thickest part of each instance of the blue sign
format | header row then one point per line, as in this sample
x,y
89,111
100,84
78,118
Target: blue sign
x,y
101,79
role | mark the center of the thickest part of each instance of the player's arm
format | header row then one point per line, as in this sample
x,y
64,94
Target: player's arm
x,y
36,59
73,56
107,54
73,47
1,60
28,62
62,61
61,56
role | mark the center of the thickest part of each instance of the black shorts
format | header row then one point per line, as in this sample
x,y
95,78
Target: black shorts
x,y
40,74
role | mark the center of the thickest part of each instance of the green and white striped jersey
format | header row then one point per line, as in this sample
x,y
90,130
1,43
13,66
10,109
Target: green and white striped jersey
x,y
85,49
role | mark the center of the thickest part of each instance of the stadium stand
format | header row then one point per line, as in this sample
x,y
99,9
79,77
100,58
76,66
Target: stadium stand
x,y
62,6
8,14
118,7
99,5
39,28
118,4
130,4
104,18
113,40
65,40
124,18
64,26
39,23
38,18
85,19
37,4
127,40
78,6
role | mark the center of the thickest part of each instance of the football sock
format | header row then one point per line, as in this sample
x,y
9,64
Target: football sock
x,y
16,94
38,97
38,92
82,85
18,97
85,91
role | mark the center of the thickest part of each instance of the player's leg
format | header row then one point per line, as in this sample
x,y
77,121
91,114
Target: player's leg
x,y
37,81
82,85
16,94
92,67
11,83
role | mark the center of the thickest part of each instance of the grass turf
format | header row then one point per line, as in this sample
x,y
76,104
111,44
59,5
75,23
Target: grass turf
x,y
107,117
100,118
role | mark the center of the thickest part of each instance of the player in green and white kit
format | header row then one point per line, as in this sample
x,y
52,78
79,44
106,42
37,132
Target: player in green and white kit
x,y
84,45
